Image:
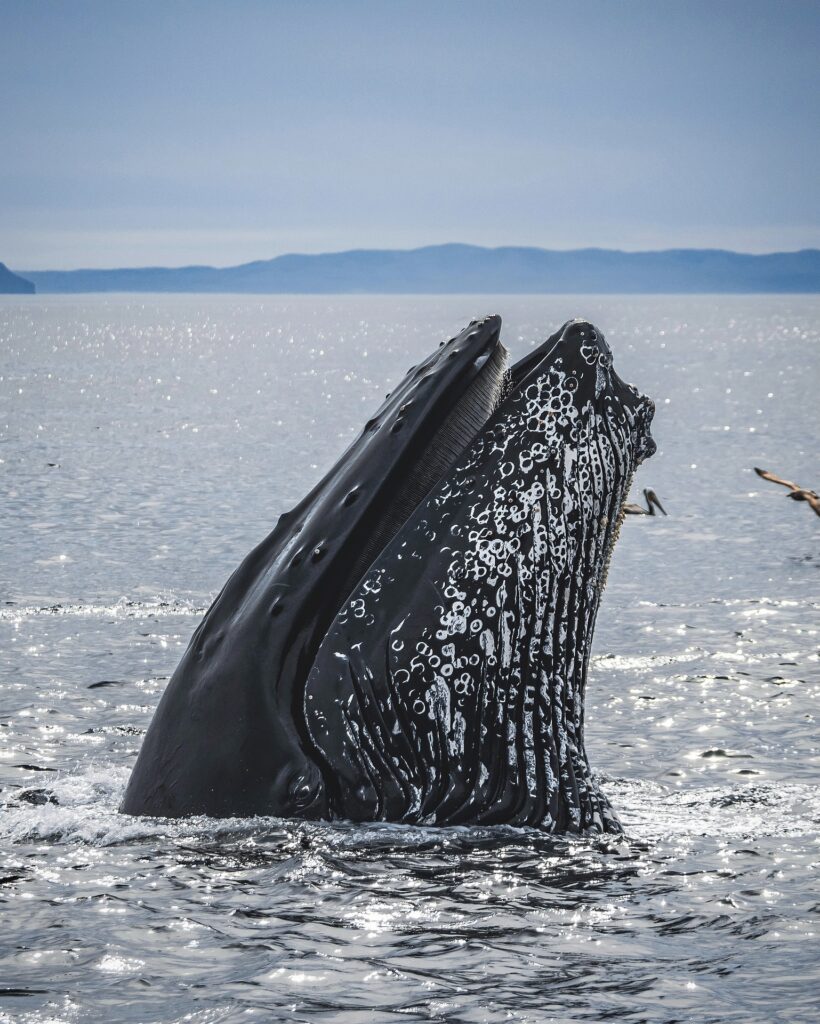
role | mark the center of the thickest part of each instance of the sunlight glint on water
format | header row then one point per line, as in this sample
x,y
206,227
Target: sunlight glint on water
x,y
149,442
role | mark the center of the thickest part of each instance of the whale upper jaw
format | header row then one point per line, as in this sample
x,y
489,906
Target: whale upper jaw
x,y
227,737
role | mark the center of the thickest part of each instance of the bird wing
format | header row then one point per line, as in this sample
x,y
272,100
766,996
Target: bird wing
x,y
776,479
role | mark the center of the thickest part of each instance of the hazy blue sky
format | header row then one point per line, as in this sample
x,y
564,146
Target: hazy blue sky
x,y
171,132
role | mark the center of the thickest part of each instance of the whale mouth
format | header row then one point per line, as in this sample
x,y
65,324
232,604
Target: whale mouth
x,y
485,382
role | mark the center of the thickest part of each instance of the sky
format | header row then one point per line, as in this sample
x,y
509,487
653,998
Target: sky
x,y
169,133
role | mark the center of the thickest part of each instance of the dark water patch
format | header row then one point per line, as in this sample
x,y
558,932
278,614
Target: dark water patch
x,y
36,797
720,752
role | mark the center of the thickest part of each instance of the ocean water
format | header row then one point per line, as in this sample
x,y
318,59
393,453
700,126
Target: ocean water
x,y
148,442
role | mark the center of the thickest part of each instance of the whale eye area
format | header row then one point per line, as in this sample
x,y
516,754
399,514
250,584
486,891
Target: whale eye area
x,y
276,608
350,497
397,426
318,553
304,786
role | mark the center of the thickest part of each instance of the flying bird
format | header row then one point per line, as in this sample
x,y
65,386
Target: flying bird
x,y
796,493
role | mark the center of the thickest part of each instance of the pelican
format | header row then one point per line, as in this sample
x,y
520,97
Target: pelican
x,y
652,503
796,493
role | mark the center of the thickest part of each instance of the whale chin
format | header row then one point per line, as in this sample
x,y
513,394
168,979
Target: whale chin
x,y
411,641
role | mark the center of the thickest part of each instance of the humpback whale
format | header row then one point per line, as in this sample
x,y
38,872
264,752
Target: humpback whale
x,y
411,642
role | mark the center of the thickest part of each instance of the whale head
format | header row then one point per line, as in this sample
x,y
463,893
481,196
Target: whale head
x,y
411,642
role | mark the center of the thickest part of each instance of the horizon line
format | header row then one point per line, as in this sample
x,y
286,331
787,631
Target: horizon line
x,y
418,248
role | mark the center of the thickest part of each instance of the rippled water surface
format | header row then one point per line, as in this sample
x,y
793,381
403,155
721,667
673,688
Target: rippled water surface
x,y
149,442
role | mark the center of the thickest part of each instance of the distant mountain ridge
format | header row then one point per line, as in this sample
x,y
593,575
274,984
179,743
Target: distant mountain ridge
x,y
12,284
456,268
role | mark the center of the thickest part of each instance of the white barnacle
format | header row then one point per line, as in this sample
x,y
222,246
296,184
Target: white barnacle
x,y
488,641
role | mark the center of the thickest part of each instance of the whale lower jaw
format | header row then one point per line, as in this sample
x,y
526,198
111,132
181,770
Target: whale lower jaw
x,y
450,688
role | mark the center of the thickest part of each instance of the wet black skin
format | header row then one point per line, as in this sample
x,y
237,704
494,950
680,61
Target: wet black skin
x,y
227,737
286,704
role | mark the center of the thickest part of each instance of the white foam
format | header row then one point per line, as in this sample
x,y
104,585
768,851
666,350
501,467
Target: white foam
x,y
124,608
88,800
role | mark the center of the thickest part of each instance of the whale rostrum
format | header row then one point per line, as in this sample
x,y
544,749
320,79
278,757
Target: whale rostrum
x,y
411,642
